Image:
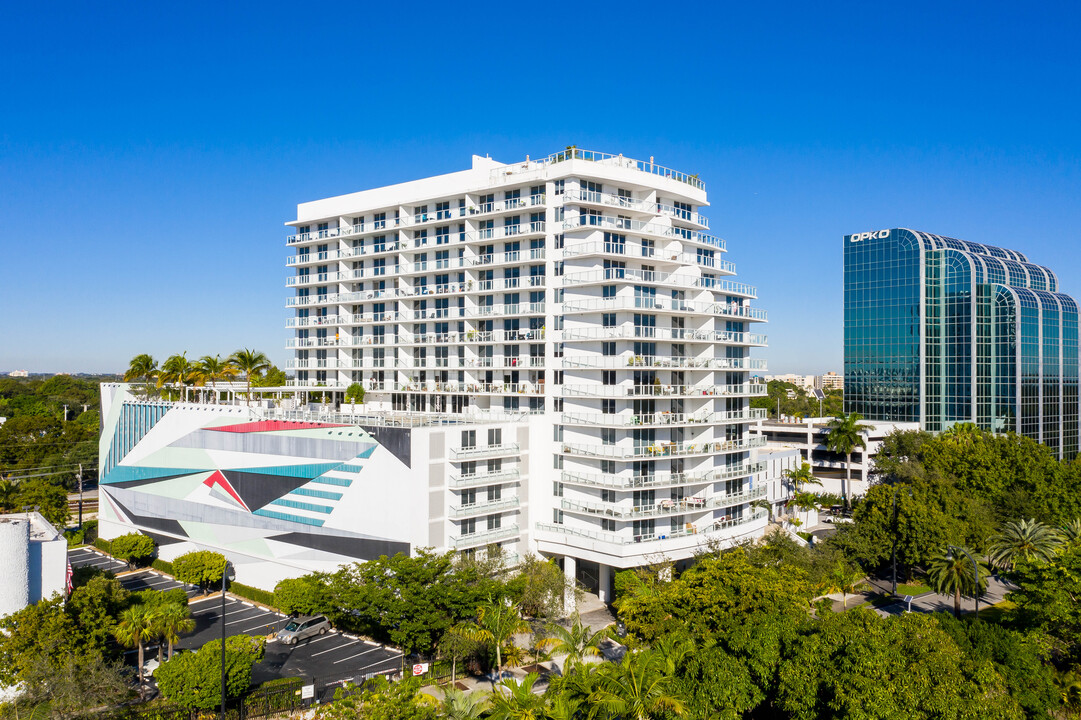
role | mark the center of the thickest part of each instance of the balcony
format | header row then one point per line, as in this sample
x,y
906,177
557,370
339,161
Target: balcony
x,y
664,507
663,362
659,390
667,305
652,277
479,453
504,476
484,508
625,331
623,202
637,227
661,419
663,449
623,482
485,537
657,535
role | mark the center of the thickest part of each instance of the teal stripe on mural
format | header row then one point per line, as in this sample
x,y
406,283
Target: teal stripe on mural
x,y
127,473
301,471
286,516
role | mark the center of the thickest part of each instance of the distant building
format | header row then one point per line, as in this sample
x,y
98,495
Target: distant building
x,y
942,331
19,373
830,381
35,561
809,437
807,382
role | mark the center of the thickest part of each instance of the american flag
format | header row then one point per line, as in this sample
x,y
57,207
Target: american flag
x,y
70,576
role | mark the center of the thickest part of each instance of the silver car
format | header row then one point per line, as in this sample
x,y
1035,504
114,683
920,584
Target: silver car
x,y
303,627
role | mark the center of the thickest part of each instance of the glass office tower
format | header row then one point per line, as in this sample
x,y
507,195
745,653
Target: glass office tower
x,y
941,331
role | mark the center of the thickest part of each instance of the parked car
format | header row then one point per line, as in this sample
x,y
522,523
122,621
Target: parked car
x,y
300,628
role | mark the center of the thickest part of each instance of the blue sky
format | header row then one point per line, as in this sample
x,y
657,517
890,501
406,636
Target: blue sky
x,y
149,154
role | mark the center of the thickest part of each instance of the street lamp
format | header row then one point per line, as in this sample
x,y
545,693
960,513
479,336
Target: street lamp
x,y
227,576
950,549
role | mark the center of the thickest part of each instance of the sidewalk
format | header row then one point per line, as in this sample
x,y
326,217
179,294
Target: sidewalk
x,y
930,602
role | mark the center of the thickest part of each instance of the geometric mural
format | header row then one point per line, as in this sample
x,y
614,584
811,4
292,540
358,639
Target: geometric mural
x,y
225,479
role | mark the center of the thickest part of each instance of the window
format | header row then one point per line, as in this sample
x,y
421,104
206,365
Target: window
x,y
608,496
495,436
608,377
469,439
557,516
608,320
559,186
557,489
609,291
608,348
608,407
608,525
608,436
495,522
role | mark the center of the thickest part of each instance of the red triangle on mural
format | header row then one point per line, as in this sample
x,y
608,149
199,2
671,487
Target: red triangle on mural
x,y
218,479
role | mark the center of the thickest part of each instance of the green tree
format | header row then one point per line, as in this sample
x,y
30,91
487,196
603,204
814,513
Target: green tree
x,y
1023,540
142,367
576,642
858,665
801,477
305,595
1048,598
251,363
952,573
135,626
273,376
193,680
213,369
204,568
457,644
133,548
460,705
637,688
179,371
42,632
539,587
171,620
69,689
516,700
497,623
355,393
1071,531
846,580
49,499
94,606
845,434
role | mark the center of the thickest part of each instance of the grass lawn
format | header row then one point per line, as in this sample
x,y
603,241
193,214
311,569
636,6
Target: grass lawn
x,y
996,613
915,590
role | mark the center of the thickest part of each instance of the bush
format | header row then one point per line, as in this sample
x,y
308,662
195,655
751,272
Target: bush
x,y
134,548
103,545
75,537
193,680
300,596
254,594
201,567
355,393
162,566
90,530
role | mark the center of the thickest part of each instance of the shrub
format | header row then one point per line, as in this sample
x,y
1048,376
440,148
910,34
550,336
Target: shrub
x,y
193,680
299,596
162,566
75,537
254,594
134,548
355,393
200,567
90,530
103,545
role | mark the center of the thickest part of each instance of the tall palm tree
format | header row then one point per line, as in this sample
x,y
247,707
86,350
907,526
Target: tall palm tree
x,y
517,701
576,642
177,369
460,705
804,501
1023,540
845,434
135,625
764,505
951,573
964,433
251,363
847,580
173,619
212,369
563,707
142,367
497,623
636,689
801,477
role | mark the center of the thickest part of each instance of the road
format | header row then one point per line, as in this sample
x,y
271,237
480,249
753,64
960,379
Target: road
x,y
323,659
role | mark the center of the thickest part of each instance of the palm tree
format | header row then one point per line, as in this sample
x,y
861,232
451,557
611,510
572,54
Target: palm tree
x,y
764,505
518,702
636,689
135,625
251,363
497,622
951,573
964,433
212,368
1071,531
802,476
460,705
1023,540
804,501
142,366
576,642
847,580
845,435
562,707
179,370
172,620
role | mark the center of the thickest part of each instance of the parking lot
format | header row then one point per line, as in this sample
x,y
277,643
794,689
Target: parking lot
x,y
322,659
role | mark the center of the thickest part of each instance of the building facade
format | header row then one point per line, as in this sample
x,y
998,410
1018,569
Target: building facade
x,y
940,331
35,561
565,343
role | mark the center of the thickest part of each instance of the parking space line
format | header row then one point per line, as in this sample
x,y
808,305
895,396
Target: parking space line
x,y
341,647
243,620
371,650
380,662
321,638
256,627
369,642
217,609
202,600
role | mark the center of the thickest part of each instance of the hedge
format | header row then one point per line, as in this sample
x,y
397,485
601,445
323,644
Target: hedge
x,y
254,594
103,544
162,565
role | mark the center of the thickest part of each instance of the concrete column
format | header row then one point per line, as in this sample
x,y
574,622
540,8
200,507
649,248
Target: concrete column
x,y
604,582
570,571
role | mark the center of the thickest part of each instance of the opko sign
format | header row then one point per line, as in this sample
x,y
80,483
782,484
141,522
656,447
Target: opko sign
x,y
876,235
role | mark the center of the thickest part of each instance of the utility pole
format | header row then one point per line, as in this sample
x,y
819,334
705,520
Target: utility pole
x,y
65,413
80,477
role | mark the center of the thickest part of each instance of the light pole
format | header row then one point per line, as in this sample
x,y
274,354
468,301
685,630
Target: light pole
x,y
227,576
950,549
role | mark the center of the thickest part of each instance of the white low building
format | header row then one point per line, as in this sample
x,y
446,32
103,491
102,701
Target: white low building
x,y
35,561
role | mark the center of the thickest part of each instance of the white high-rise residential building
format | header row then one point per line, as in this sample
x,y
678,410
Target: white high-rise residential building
x,y
555,358
582,289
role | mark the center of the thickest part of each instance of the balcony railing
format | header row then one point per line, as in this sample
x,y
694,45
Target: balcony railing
x,y
662,418
484,537
653,277
663,304
490,451
664,507
637,227
623,482
633,332
663,449
745,390
622,201
622,162
483,508
657,535
660,361
495,477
